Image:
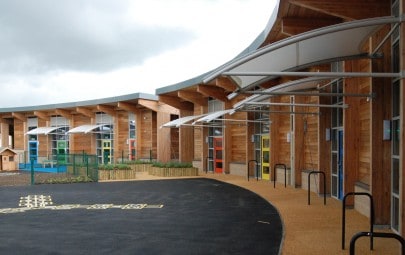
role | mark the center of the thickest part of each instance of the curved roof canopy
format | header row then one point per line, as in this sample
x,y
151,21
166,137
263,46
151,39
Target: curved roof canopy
x,y
182,121
85,128
42,130
213,116
328,44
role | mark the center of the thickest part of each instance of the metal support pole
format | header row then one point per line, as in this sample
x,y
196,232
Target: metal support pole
x,y
32,172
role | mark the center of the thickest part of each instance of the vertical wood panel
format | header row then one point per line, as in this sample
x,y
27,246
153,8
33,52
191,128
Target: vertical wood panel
x,y
163,138
351,134
186,140
19,137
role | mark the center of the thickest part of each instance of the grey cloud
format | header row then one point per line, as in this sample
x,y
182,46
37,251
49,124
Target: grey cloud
x,y
81,35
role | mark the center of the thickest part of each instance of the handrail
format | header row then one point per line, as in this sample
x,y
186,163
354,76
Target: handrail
x,y
344,216
206,161
257,172
285,174
309,186
376,234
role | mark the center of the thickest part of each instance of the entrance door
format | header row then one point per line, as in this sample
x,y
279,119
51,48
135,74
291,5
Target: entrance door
x,y
33,150
340,164
132,149
337,164
265,163
62,149
218,160
106,150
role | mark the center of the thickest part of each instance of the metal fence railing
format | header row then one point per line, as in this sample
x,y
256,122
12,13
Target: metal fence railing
x,y
63,164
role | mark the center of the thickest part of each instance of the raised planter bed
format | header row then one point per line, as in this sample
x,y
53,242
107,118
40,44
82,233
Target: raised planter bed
x,y
116,174
140,167
173,172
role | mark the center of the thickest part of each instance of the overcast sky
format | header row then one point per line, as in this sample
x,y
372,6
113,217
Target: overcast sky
x,y
74,50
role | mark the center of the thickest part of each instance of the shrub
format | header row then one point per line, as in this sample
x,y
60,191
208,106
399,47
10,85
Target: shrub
x,y
114,166
136,162
173,165
76,179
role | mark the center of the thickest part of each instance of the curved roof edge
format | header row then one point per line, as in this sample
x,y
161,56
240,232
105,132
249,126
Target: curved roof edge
x,y
260,39
82,103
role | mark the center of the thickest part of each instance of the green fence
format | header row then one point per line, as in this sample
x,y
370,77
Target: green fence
x,y
82,165
59,166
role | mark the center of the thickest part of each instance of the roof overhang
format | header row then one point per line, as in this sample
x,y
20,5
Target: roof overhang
x,y
325,45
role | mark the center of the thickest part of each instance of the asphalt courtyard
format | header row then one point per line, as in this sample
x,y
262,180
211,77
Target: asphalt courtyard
x,y
178,216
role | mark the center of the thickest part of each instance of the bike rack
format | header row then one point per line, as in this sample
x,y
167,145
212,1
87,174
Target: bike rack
x,y
376,234
309,186
285,174
257,171
206,161
371,216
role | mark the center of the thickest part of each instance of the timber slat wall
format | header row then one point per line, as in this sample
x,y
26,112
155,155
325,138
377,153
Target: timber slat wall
x,y
238,137
80,142
121,131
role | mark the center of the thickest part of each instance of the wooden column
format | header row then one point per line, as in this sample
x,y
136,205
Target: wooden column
x,y
381,150
186,140
5,131
299,142
163,138
351,135
324,159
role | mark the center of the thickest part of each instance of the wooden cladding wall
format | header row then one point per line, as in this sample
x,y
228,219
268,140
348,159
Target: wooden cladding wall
x,y
174,143
121,133
154,134
238,138
146,137
44,146
80,142
19,135
311,135
365,132
279,129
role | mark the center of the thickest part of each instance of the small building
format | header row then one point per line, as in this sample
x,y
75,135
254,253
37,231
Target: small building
x,y
7,159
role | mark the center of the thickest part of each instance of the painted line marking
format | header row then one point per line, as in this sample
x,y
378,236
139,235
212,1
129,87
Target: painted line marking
x,y
44,202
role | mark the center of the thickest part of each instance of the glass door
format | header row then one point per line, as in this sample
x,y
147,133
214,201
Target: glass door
x,y
132,149
106,150
33,150
218,160
61,151
265,162
337,164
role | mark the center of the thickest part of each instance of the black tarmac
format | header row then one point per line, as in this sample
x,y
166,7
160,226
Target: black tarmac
x,y
185,216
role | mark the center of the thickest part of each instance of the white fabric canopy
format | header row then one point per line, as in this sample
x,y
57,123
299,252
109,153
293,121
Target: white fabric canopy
x,y
333,43
84,129
181,121
296,85
42,130
214,115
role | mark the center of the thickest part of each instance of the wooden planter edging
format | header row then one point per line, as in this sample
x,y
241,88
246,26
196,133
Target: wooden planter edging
x,y
141,167
116,174
173,172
